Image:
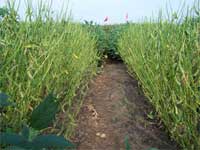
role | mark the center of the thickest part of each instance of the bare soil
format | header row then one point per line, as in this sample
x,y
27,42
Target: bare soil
x,y
116,109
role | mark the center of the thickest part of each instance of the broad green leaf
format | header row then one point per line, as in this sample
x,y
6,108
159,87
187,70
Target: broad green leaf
x,y
14,140
25,132
152,149
14,148
4,100
4,11
51,141
44,114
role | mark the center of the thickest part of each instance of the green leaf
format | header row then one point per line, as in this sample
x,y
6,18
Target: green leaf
x,y
33,133
44,114
3,11
51,141
14,148
14,140
150,115
25,132
152,149
8,130
127,144
198,127
4,100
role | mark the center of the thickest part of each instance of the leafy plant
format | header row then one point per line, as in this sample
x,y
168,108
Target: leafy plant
x,y
37,143
4,101
106,37
25,140
151,115
165,57
127,144
3,12
112,35
39,54
43,115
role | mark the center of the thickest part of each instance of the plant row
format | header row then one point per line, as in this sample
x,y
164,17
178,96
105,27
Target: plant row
x,y
164,55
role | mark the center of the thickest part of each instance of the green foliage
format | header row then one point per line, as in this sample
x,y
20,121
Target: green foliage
x,y
51,141
14,148
113,33
4,100
25,132
165,56
127,144
107,38
40,55
44,113
13,139
38,143
29,141
3,12
98,33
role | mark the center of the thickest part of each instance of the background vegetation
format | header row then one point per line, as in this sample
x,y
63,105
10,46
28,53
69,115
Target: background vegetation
x,y
107,38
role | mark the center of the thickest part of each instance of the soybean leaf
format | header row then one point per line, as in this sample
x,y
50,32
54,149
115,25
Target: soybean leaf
x,y
51,141
4,100
198,126
33,133
127,144
44,114
3,12
25,132
14,140
14,148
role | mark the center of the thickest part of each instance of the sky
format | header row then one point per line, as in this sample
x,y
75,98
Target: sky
x,y
116,10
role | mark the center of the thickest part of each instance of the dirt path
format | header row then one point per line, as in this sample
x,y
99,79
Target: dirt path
x,y
114,109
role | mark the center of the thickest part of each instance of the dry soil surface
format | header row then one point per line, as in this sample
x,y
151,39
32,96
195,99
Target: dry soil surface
x,y
116,109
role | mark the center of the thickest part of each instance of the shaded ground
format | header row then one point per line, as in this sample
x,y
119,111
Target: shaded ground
x,y
114,109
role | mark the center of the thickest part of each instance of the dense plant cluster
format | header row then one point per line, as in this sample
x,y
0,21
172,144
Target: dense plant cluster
x,y
40,55
113,33
30,137
165,57
107,38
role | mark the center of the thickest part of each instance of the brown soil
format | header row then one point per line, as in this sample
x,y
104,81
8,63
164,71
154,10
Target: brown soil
x,y
115,109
